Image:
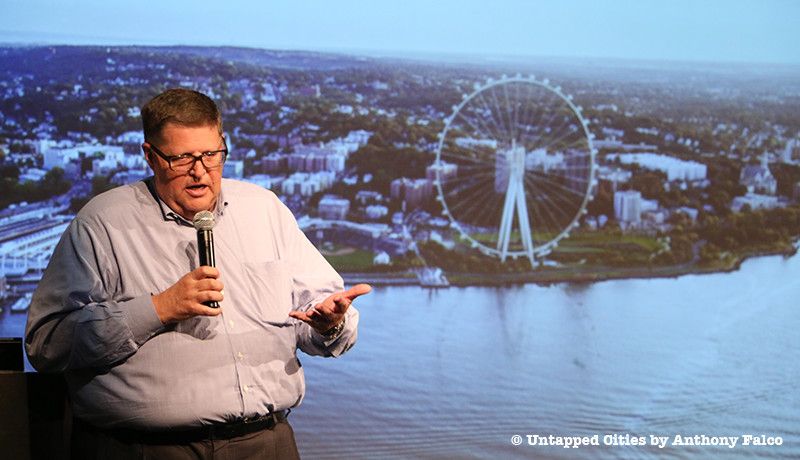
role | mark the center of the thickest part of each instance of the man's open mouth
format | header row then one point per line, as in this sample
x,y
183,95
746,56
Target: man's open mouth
x,y
197,190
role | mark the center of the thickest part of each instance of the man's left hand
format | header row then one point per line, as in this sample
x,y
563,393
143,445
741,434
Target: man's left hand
x,y
330,312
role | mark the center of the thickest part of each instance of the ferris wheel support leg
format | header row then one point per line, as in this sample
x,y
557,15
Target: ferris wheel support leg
x,y
524,224
506,221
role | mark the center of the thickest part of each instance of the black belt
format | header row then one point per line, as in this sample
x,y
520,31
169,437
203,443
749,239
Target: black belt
x,y
187,435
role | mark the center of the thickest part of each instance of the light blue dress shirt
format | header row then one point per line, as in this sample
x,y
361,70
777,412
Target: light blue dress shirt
x,y
92,315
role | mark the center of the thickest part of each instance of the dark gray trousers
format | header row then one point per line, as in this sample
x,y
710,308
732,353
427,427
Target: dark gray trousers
x,y
275,443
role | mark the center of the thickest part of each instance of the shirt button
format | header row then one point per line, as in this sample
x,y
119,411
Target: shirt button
x,y
230,322
240,355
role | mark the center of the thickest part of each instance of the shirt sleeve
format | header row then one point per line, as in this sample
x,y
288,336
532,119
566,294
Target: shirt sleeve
x,y
313,280
73,320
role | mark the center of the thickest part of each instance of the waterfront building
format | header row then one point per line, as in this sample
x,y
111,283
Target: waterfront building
x,y
297,185
381,258
648,131
233,169
755,201
376,211
41,146
758,178
613,176
396,188
334,163
791,151
31,175
397,218
350,143
114,159
53,158
674,168
307,184
438,238
262,180
317,158
608,144
131,137
73,170
472,143
655,218
345,109
364,197
129,176
691,212
27,241
333,207
612,133
114,154
19,212
541,160
414,192
296,162
370,236
268,93
432,277
445,170
274,162
628,206
502,171
620,146
649,205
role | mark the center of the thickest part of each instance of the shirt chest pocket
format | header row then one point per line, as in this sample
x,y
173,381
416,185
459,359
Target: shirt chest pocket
x,y
269,286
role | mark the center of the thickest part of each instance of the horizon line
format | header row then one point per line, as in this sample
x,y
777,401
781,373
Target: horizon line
x,y
425,55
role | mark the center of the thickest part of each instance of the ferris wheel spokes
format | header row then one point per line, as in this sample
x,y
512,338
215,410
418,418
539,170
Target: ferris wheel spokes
x,y
523,167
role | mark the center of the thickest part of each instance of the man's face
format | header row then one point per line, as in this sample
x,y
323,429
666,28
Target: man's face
x,y
186,193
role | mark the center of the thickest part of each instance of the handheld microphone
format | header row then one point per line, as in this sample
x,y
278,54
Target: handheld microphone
x,y
203,222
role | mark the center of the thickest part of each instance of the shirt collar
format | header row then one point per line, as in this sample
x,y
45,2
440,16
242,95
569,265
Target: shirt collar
x,y
169,215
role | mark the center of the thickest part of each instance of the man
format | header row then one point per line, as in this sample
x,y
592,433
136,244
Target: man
x,y
152,371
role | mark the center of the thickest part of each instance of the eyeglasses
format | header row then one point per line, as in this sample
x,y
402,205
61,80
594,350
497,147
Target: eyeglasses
x,y
184,162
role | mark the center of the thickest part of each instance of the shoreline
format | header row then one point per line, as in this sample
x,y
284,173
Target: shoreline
x,y
549,276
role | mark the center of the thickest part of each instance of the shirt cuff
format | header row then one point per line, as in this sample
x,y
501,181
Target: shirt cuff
x,y
142,319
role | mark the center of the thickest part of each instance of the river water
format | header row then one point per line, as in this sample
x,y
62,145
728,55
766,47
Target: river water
x,y
455,373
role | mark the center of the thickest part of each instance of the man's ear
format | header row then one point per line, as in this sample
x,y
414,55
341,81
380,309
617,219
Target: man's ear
x,y
148,155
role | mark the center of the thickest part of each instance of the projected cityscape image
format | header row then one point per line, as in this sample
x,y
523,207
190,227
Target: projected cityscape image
x,y
573,244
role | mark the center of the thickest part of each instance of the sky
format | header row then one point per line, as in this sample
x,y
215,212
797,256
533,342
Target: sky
x,y
749,31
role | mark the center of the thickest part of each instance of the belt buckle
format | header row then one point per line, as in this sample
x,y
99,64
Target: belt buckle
x,y
246,424
258,418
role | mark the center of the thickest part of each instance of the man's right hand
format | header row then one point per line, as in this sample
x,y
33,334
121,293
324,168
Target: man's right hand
x,y
185,298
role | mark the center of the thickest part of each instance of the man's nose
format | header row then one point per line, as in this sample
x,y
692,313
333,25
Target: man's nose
x,y
198,169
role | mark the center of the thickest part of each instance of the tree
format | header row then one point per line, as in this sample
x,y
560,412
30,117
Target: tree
x,y
54,183
100,184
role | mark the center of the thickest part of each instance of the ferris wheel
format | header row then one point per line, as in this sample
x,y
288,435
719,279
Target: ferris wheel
x,y
515,167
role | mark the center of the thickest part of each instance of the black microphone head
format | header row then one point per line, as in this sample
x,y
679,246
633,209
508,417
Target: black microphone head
x,y
203,220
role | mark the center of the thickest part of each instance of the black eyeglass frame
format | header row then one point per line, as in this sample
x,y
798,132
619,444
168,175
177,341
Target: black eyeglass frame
x,y
170,158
